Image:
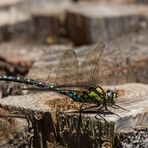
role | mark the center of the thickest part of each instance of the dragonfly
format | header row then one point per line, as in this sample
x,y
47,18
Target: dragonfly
x,y
85,76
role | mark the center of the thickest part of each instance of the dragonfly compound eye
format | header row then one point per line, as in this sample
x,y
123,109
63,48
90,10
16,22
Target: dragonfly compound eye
x,y
110,96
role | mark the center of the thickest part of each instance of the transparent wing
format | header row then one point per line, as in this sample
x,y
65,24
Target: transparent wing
x,y
67,71
90,65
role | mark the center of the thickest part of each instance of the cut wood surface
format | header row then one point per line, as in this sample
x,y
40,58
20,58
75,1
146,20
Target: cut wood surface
x,y
133,98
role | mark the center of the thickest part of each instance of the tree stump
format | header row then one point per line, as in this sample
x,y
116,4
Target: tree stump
x,y
55,119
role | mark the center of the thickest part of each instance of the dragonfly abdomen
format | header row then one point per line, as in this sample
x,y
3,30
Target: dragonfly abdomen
x,y
26,81
70,93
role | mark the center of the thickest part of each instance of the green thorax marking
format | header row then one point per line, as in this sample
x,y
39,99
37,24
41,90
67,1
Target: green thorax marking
x,y
94,95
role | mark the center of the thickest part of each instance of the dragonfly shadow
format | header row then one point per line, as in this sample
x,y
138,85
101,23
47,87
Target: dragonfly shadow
x,y
115,106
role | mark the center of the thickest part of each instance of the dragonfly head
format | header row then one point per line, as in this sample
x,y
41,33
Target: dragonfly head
x,y
111,96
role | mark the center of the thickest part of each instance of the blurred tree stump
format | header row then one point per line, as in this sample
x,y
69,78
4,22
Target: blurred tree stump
x,y
89,22
7,4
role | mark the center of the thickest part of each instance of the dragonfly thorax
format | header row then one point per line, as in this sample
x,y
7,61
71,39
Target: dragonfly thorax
x,y
97,95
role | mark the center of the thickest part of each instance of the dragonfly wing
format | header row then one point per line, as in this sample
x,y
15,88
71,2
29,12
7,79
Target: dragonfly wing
x,y
90,65
67,71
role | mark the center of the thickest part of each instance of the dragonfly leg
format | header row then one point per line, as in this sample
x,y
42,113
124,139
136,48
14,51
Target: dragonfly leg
x,y
105,104
101,117
102,107
81,107
80,118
